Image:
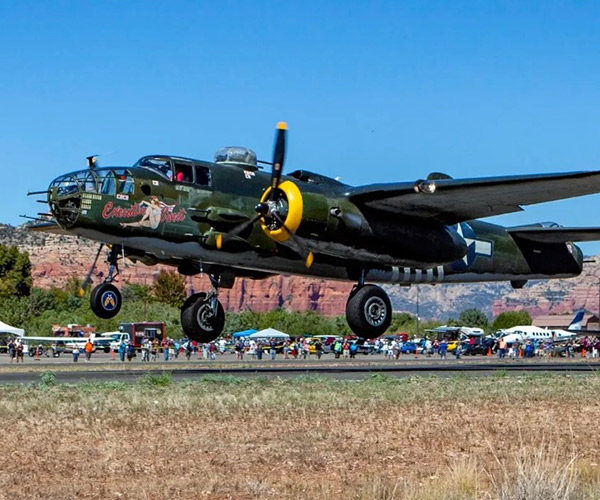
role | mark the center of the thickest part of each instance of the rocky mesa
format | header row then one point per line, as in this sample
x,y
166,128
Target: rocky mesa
x,y
55,257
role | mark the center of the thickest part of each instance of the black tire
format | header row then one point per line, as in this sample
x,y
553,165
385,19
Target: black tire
x,y
369,311
106,301
198,321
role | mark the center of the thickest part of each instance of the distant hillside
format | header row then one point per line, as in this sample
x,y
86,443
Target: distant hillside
x,y
54,257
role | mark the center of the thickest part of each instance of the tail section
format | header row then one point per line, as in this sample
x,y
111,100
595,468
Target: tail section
x,y
577,322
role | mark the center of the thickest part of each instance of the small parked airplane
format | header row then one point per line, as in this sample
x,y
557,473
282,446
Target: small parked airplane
x,y
530,332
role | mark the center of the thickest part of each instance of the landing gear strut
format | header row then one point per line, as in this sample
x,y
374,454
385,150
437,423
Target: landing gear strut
x,y
202,315
105,299
368,311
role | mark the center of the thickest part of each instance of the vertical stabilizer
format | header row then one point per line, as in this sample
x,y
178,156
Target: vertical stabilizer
x,y
577,322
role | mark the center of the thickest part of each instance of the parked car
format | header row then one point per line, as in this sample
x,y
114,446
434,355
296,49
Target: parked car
x,y
410,348
482,347
365,347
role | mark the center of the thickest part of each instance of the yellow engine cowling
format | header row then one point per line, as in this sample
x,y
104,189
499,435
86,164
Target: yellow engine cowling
x,y
294,215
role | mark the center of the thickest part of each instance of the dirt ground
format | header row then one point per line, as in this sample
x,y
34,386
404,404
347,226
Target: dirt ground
x,y
319,439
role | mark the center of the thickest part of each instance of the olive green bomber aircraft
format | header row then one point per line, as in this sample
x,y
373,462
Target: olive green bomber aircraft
x,y
228,219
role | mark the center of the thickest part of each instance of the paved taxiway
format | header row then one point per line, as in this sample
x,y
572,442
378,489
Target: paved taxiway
x,y
102,368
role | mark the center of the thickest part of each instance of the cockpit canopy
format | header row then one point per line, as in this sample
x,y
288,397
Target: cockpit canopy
x,y
177,169
103,181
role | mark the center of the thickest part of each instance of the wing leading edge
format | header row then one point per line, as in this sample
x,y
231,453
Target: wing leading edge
x,y
555,234
458,200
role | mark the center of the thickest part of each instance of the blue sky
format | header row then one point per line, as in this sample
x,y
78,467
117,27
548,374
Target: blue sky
x,y
372,91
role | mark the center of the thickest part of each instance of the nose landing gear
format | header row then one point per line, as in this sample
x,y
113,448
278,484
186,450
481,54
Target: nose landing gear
x,y
105,300
202,315
368,311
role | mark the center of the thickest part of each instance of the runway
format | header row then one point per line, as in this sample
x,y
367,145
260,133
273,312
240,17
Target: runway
x,y
337,369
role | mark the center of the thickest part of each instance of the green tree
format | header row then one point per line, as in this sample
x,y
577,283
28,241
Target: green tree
x,y
402,322
508,319
15,272
473,317
169,288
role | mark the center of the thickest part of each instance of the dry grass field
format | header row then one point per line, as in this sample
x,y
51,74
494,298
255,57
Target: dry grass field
x,y
224,438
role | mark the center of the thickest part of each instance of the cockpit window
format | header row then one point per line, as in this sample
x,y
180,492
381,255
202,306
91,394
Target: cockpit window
x,y
183,172
202,175
109,185
125,179
89,184
65,185
158,164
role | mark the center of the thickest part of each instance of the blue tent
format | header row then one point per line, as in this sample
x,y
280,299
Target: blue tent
x,y
245,333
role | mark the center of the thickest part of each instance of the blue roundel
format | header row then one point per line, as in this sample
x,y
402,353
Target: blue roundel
x,y
109,300
464,230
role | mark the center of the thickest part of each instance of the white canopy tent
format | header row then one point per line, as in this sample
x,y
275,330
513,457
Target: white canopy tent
x,y
4,328
269,333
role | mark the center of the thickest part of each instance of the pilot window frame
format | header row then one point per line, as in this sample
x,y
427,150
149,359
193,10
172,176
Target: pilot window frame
x,y
180,166
110,179
206,175
125,181
146,162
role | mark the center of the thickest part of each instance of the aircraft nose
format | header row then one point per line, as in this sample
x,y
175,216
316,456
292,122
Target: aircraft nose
x,y
64,199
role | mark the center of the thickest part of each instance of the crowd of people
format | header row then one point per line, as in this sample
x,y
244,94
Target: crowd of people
x,y
301,348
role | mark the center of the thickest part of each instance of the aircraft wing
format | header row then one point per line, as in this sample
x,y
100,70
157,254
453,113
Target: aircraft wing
x,y
456,200
555,234
47,227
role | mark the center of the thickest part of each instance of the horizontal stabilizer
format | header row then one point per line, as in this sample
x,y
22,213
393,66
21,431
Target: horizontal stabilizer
x,y
555,234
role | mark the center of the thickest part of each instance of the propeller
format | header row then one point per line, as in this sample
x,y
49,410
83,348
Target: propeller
x,y
88,278
268,209
92,161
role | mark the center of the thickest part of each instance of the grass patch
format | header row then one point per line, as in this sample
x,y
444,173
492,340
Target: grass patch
x,y
48,379
162,379
222,437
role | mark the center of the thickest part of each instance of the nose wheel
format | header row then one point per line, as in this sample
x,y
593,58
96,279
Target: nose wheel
x,y
106,301
369,311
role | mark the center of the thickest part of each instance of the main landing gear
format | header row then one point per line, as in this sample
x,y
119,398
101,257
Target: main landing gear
x,y
368,311
202,315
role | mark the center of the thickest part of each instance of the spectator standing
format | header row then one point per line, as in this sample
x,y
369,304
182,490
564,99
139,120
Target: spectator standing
x,y
12,349
88,348
146,350
353,349
130,350
337,348
346,349
212,351
396,349
75,353
502,348
188,349
153,349
443,348
272,349
122,350
318,349
458,350
428,348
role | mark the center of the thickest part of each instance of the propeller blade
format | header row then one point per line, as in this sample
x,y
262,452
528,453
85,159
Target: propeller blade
x,y
300,247
223,237
278,157
88,278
